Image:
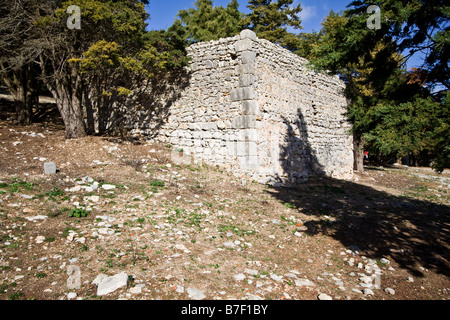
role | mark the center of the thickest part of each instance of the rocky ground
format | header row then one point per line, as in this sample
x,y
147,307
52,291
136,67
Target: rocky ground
x,y
119,220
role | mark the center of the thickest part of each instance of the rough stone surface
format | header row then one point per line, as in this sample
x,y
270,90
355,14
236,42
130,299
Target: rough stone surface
x,y
49,168
195,294
111,284
241,83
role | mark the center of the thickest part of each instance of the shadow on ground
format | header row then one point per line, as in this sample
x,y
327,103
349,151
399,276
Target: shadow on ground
x,y
412,232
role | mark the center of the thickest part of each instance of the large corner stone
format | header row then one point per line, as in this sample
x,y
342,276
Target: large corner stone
x,y
248,57
244,122
248,34
250,107
240,94
246,80
244,45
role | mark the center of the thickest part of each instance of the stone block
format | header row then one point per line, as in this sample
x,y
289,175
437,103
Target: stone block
x,y
248,34
244,45
244,122
248,57
241,94
49,168
248,68
246,149
248,135
231,148
246,80
250,107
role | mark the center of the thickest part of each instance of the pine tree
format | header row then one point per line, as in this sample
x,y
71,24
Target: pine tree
x,y
206,22
270,20
394,112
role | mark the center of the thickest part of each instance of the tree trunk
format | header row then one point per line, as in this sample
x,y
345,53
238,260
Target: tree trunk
x,y
68,96
22,85
70,109
358,154
28,96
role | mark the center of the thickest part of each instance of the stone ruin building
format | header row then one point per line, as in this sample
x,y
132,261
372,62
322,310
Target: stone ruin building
x,y
259,110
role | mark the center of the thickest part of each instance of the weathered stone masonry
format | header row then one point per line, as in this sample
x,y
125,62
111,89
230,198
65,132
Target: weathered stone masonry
x,y
258,109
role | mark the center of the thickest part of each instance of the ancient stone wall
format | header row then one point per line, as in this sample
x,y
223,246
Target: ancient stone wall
x,y
259,110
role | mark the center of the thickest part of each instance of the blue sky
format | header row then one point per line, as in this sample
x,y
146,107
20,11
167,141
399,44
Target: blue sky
x,y
163,13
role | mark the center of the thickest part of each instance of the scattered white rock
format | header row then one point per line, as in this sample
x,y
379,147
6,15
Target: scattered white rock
x,y
304,283
239,277
99,279
368,292
136,290
93,199
108,187
40,239
324,296
111,284
195,294
179,289
71,295
251,272
181,247
35,218
276,278
390,291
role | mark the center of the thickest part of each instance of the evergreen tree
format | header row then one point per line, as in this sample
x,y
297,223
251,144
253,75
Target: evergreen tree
x,y
270,20
206,22
394,112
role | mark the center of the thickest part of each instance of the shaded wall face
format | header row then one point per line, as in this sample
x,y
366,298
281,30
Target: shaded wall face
x,y
303,128
201,121
255,108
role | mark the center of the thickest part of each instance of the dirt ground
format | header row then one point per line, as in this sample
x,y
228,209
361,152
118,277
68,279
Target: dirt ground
x,y
199,232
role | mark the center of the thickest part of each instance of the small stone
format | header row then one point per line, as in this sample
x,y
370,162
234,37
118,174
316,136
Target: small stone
x,y
410,279
390,291
368,292
181,247
99,279
93,198
108,187
179,289
366,279
195,294
49,167
275,277
239,277
136,290
304,283
71,295
324,296
251,272
40,239
111,284
34,219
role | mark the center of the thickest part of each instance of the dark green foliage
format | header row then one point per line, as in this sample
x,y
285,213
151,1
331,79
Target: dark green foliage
x,y
207,22
270,20
394,111
78,213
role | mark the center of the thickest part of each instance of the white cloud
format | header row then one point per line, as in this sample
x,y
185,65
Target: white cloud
x,y
308,12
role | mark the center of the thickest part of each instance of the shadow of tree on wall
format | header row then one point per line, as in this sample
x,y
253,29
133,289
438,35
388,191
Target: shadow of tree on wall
x,y
412,232
146,109
297,157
